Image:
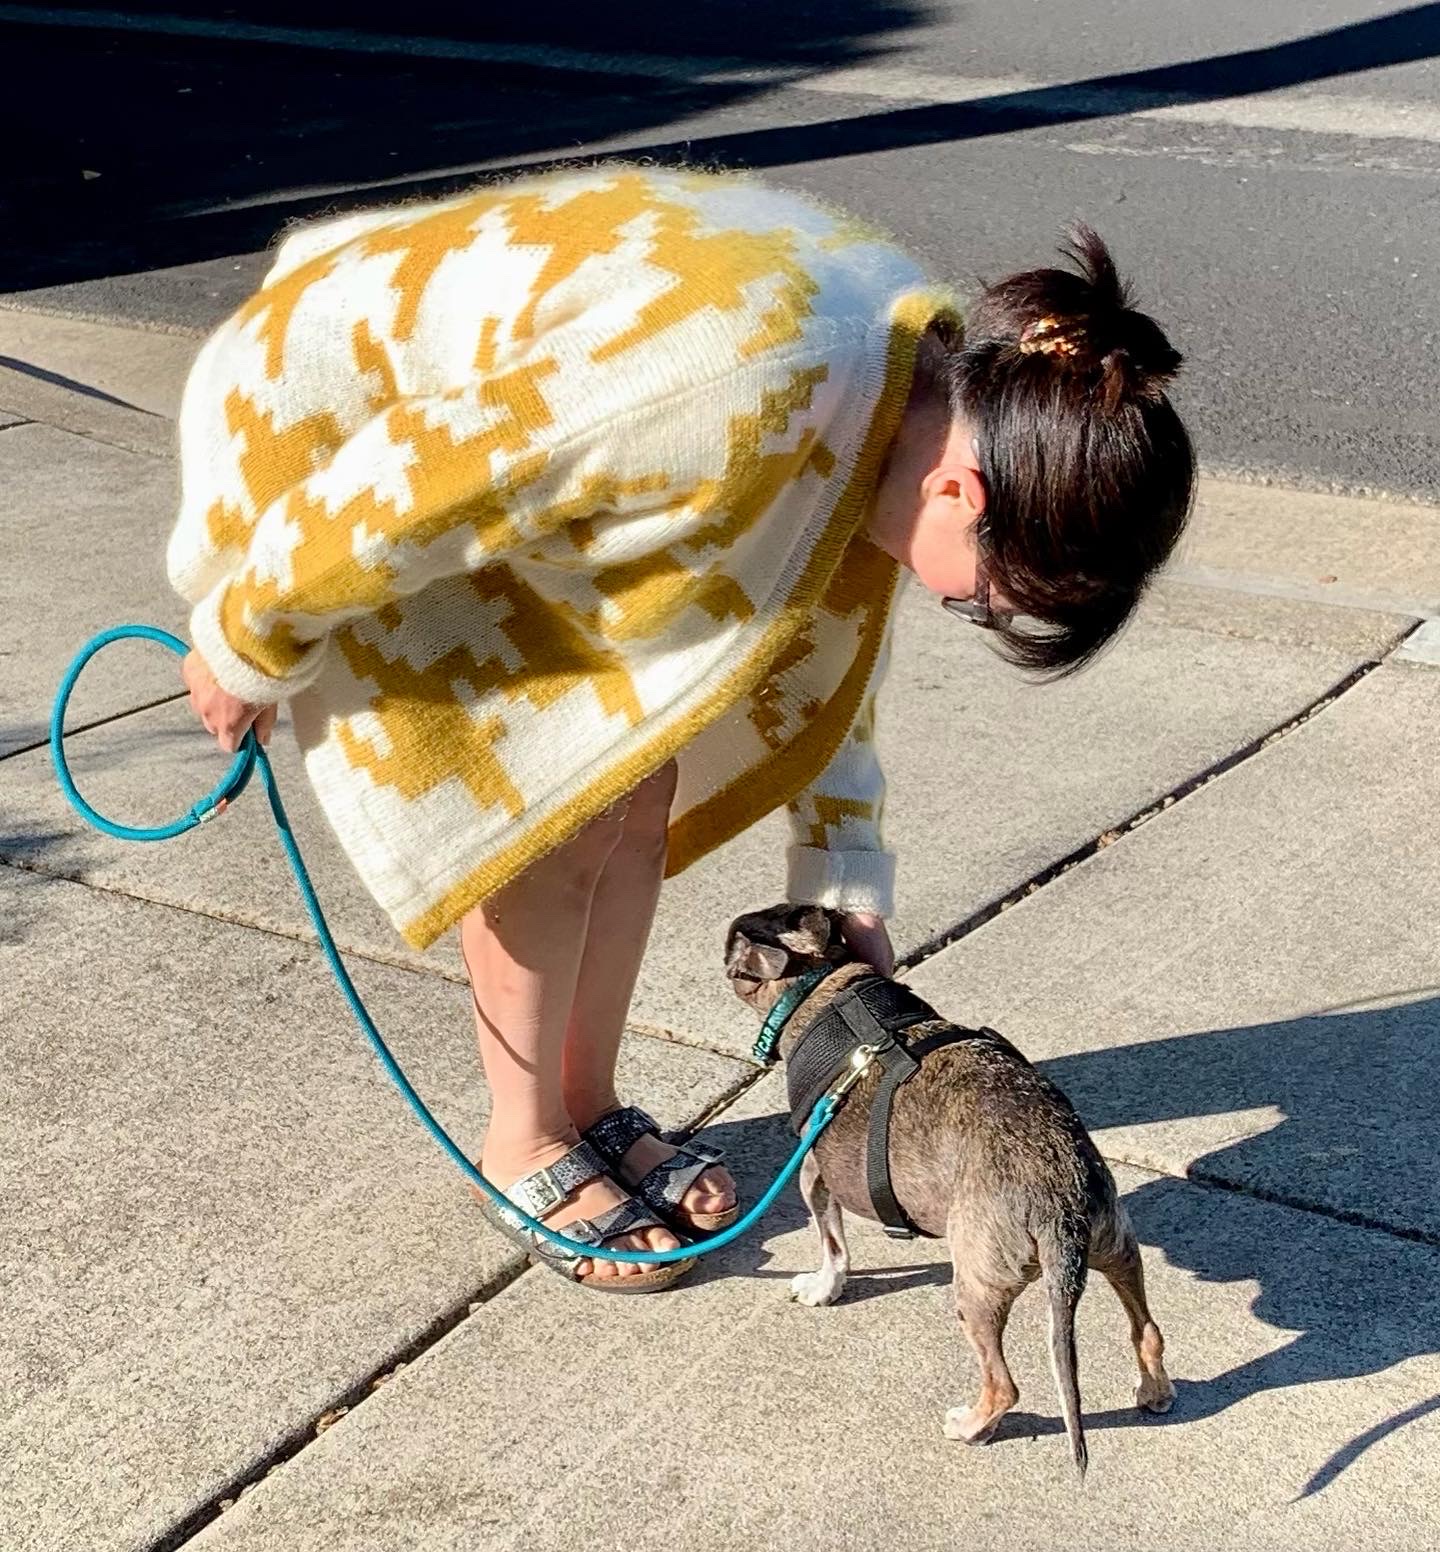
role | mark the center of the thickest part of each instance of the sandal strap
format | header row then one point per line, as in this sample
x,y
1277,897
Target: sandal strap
x,y
624,1218
664,1188
545,1189
615,1133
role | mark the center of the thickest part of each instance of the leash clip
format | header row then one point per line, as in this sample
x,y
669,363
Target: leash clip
x,y
861,1059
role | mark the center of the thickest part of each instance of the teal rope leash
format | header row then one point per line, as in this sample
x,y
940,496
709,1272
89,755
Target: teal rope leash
x,y
252,757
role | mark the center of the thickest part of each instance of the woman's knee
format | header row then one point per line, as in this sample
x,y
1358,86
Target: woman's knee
x,y
585,856
572,870
647,810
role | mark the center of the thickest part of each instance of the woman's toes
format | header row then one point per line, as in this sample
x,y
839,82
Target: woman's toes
x,y
642,1240
716,1192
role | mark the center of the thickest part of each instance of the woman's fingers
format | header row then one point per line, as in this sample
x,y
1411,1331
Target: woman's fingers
x,y
198,680
869,939
224,716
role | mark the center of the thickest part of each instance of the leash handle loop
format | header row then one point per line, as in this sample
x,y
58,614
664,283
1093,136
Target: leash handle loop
x,y
231,785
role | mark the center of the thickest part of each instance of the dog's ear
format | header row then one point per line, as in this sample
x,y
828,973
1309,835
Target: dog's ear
x,y
809,933
749,961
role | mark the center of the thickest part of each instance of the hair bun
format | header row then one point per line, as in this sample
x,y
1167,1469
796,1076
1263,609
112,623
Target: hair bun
x,y
1129,349
1088,470
1085,323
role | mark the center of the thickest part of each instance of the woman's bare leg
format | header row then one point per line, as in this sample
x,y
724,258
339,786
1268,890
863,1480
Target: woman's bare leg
x,y
621,913
524,949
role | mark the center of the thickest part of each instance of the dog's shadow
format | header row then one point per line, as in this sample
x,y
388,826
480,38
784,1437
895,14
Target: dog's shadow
x,y
1287,1209
1334,1211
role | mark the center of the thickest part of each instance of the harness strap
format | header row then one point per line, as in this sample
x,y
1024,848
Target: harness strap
x,y
869,1011
899,1064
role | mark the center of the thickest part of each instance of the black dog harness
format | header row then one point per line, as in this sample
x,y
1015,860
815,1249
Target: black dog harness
x,y
871,1012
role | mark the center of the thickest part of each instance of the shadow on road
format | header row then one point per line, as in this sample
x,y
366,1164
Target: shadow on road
x,y
205,148
125,151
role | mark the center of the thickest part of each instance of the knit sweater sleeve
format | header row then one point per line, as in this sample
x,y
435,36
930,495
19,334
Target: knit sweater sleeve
x,y
837,857
426,488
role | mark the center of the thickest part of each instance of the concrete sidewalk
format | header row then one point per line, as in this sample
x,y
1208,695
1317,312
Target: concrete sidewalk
x,y
247,1303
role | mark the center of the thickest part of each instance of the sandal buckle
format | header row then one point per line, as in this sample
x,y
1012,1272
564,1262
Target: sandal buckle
x,y
542,1194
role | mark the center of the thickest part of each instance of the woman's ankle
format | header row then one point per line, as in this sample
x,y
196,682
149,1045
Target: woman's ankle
x,y
509,1154
586,1106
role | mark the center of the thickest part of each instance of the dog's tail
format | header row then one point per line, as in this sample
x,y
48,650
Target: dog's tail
x,y
1064,1259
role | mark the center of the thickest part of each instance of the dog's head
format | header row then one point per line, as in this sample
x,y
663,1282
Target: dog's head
x,y
765,951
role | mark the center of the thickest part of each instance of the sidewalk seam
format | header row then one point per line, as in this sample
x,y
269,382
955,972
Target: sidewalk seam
x,y
86,727
1202,1179
307,939
722,1102
118,441
1117,832
1208,1182
301,1437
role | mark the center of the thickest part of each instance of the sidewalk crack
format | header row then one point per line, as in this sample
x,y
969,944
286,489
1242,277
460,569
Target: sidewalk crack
x,y
1117,832
305,936
85,727
1209,1182
301,1437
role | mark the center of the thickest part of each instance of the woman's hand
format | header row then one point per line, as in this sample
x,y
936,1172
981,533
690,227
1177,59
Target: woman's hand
x,y
867,937
223,714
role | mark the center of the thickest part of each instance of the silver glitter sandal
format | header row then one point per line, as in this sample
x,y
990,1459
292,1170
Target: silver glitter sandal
x,y
546,1189
663,1189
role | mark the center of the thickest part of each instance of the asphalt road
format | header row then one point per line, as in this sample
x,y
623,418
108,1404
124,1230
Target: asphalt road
x,y
1269,175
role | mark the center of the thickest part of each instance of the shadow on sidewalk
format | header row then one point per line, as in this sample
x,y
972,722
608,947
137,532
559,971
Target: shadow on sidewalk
x,y
1353,1089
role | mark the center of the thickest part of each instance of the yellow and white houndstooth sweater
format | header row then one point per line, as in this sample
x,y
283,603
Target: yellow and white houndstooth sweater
x,y
519,495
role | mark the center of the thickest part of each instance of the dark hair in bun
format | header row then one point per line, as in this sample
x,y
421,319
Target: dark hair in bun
x,y
1089,471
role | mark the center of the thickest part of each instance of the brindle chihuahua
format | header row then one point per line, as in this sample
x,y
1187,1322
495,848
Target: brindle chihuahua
x,y
984,1153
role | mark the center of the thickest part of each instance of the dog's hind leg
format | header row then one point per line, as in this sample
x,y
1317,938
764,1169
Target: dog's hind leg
x,y
1116,1256
826,1285
983,1309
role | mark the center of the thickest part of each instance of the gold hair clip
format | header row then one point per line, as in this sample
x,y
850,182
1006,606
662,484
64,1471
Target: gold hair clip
x,y
1041,336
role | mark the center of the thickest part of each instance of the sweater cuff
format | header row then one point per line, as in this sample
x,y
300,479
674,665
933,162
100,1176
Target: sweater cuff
x,y
842,880
237,674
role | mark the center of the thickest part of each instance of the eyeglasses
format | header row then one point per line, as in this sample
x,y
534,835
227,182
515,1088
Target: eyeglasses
x,y
976,609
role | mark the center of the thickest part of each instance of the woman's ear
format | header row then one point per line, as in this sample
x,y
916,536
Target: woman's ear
x,y
973,494
955,481
956,488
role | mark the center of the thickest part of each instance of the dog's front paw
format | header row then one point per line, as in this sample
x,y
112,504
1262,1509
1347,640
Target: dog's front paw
x,y
816,1288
